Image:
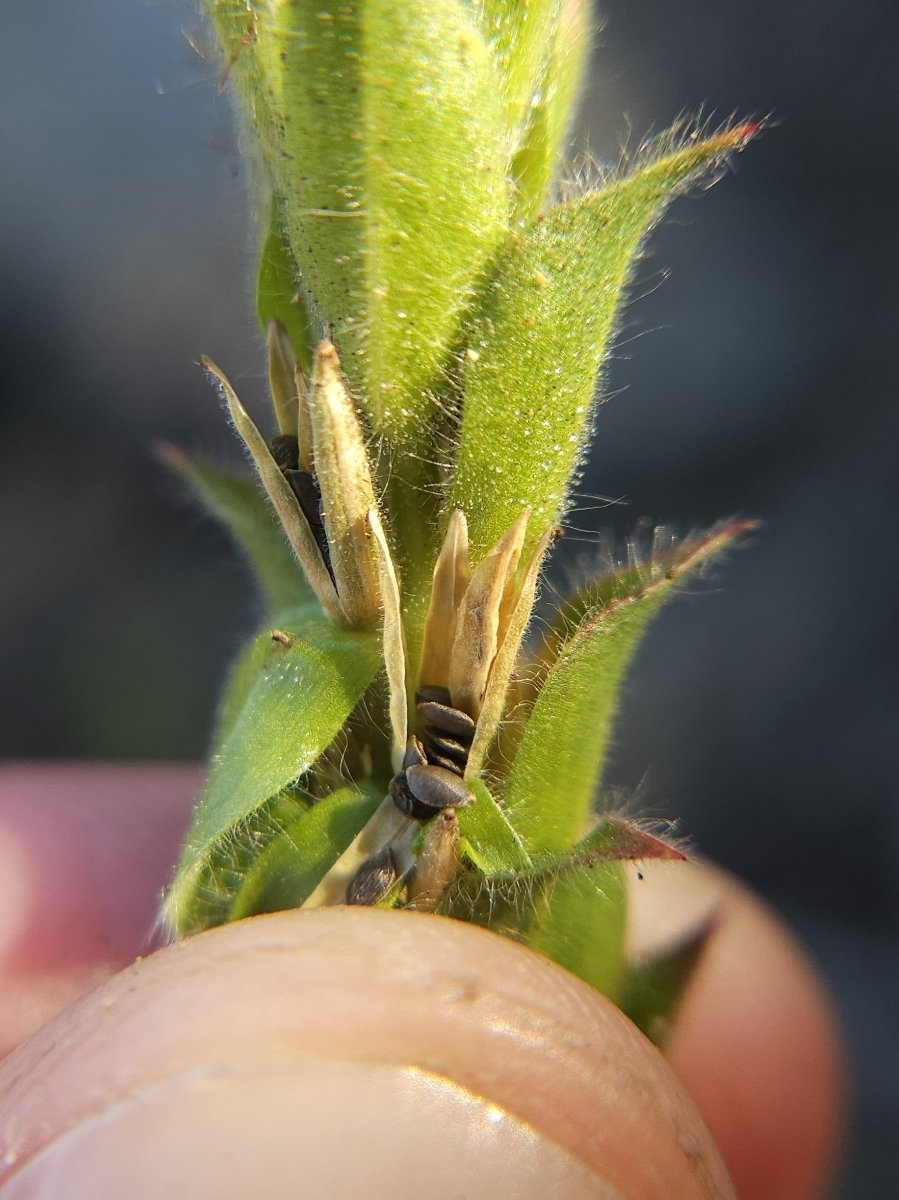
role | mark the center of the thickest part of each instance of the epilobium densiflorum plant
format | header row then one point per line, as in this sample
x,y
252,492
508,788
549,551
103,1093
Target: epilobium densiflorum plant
x,y
438,301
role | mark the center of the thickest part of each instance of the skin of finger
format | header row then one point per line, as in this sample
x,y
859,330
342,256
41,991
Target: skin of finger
x,y
84,851
757,1041
453,1004
278,1128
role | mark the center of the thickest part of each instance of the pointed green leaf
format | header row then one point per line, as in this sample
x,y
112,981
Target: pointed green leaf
x,y
570,906
616,839
579,923
552,782
382,130
487,839
299,701
651,991
294,861
520,37
279,294
552,106
574,913
242,675
244,511
534,350
219,877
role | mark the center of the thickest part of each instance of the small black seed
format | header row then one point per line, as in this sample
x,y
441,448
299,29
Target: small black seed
x,y
305,487
285,451
373,880
415,755
428,693
437,760
436,787
400,793
446,719
445,747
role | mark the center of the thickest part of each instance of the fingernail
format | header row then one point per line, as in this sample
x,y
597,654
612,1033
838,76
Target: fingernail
x,y
304,1127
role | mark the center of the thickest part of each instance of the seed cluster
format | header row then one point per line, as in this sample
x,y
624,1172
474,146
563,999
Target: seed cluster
x,y
433,765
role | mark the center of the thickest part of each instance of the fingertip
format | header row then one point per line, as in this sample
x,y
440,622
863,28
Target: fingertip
x,y
84,849
482,1047
756,1042
280,1128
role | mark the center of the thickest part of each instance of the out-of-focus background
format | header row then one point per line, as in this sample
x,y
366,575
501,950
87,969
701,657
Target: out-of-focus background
x,y
760,378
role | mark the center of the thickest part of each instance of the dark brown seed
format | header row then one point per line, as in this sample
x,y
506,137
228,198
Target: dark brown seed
x,y
415,755
398,791
285,451
373,880
449,720
437,760
436,787
445,747
305,487
428,693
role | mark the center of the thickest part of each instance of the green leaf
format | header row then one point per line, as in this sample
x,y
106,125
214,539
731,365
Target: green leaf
x,y
571,911
382,130
552,781
247,515
651,991
534,350
520,37
570,907
579,922
487,840
294,861
242,675
551,107
616,839
279,295
299,701
218,877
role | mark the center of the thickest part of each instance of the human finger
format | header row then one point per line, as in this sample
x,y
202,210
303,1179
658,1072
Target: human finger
x,y
353,1053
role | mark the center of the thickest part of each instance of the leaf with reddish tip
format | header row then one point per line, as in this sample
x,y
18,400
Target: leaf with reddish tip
x,y
540,334
552,781
571,911
618,839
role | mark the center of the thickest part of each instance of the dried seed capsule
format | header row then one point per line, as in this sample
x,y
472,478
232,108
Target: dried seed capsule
x,y
373,880
436,788
437,864
285,450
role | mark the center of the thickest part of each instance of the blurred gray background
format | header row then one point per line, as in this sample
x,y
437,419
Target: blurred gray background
x,y
759,379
